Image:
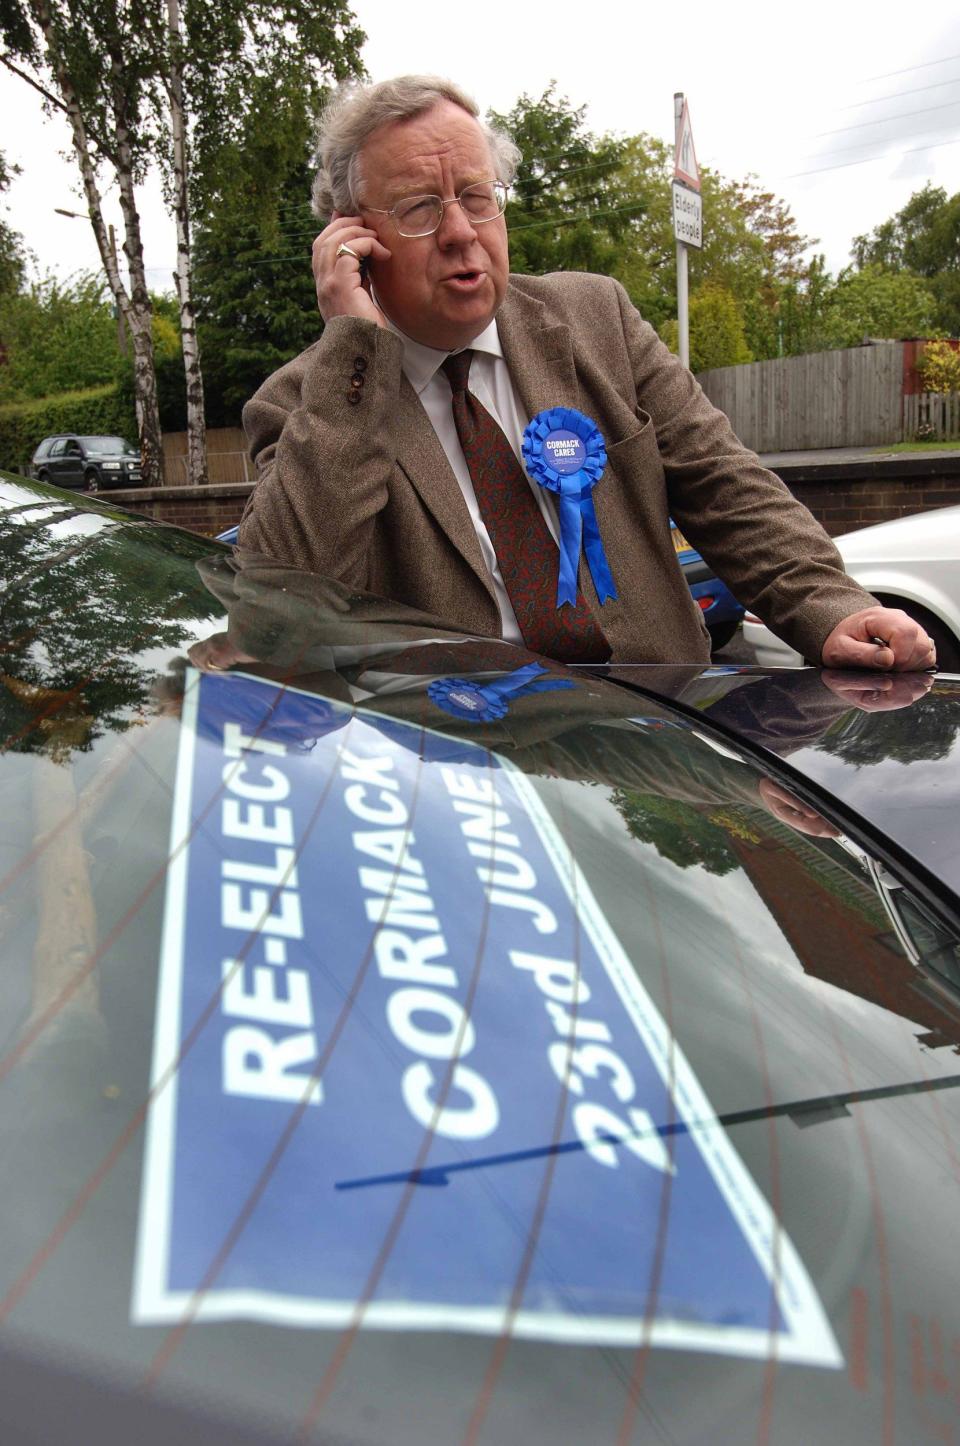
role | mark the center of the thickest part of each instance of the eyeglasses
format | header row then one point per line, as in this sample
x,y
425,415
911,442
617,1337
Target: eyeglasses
x,y
422,215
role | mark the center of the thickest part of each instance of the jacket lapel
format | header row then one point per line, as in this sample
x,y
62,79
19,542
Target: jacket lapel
x,y
538,354
540,359
424,461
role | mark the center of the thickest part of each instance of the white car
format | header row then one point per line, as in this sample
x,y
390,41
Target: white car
x,y
911,562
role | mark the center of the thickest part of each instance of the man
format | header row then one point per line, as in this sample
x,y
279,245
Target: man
x,y
388,452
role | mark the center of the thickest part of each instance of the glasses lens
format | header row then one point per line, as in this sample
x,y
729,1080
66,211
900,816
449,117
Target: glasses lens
x,y
418,215
485,201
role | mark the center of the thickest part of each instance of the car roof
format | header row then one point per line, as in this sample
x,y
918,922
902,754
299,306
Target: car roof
x,y
245,805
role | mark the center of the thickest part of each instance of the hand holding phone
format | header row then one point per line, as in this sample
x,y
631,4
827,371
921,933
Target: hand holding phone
x,y
342,255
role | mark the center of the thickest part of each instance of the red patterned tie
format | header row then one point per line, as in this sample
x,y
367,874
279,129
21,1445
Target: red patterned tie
x,y
526,553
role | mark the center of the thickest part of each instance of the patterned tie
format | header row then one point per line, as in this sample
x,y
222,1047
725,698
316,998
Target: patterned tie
x,y
526,553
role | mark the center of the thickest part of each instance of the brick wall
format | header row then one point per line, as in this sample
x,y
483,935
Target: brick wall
x,y
845,496
209,510
842,496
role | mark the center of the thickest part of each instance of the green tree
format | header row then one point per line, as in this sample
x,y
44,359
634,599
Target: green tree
x,y
717,337
566,213
875,302
922,238
87,60
255,290
57,337
12,256
138,87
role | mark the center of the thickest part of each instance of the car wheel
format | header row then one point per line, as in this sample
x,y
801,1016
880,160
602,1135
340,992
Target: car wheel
x,y
945,642
43,476
91,481
721,634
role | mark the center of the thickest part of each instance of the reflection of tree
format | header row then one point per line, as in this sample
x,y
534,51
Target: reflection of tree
x,y
927,729
80,598
677,831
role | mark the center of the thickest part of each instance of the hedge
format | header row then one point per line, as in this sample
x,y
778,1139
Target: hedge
x,y
97,411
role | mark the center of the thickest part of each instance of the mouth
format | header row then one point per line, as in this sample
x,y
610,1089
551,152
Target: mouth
x,y
465,280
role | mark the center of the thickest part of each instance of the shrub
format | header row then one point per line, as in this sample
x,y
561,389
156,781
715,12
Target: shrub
x,y
939,367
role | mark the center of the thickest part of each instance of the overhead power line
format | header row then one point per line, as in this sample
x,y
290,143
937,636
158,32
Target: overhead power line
x,y
889,119
867,160
890,142
879,99
924,65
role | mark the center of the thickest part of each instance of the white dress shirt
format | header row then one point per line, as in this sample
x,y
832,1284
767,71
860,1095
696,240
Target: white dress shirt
x,y
490,383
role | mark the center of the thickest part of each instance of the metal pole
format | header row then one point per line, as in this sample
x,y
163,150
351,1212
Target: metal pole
x,y
683,295
683,304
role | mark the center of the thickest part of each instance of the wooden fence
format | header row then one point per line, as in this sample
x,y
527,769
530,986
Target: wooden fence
x,y
849,398
227,458
932,417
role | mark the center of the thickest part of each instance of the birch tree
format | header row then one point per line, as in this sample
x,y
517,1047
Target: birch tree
x,y
183,276
146,84
82,57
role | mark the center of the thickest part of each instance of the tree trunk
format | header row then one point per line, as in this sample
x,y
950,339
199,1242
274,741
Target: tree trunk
x,y
183,276
140,315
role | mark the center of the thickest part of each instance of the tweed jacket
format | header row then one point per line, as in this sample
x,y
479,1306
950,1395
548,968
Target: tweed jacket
x,y
362,491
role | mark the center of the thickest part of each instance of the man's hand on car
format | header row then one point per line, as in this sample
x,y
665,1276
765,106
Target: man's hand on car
x,y
882,638
876,695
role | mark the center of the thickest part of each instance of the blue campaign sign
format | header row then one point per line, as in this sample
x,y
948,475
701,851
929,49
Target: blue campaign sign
x,y
404,1071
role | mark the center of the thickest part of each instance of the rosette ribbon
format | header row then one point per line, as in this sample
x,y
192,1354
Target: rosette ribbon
x,y
564,451
486,702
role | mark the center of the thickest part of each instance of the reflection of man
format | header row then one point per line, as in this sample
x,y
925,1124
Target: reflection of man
x,y
388,451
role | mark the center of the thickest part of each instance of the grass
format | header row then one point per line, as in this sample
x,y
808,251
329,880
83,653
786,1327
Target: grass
x,y
917,447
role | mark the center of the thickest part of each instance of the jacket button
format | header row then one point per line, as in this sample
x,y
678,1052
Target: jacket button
x,y
356,381
353,398
359,363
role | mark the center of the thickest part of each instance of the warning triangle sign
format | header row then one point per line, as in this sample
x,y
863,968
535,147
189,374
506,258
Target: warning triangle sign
x,y
685,166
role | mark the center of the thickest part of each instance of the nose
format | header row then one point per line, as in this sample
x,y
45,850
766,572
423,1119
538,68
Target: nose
x,y
455,228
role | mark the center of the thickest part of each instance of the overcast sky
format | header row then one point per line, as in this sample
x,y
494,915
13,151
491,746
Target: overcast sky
x,y
842,109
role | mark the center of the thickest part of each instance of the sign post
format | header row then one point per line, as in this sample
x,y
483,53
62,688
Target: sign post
x,y
687,213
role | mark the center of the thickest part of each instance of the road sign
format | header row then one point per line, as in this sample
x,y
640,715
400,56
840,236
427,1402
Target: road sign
x,y
687,215
685,166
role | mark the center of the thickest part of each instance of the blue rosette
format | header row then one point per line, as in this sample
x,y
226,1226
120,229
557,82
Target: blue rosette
x,y
488,702
564,451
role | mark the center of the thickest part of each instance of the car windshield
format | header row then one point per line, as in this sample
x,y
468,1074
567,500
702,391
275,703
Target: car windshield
x,y
485,1049
106,444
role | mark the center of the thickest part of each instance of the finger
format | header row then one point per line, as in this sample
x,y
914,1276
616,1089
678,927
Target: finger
x,y
910,644
852,652
363,244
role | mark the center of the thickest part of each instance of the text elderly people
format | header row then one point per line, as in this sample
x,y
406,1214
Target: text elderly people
x,y
388,452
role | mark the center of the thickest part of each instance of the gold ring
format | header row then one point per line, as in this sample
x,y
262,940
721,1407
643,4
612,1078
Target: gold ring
x,y
344,250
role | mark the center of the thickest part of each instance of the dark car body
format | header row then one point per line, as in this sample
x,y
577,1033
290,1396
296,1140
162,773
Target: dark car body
x,y
408,1040
94,464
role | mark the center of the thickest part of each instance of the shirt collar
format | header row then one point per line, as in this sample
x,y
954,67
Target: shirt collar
x,y
421,363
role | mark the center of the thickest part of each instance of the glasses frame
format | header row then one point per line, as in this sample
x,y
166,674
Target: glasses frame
x,y
444,203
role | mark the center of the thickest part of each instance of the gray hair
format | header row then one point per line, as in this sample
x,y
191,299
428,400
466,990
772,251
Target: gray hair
x,y
356,110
